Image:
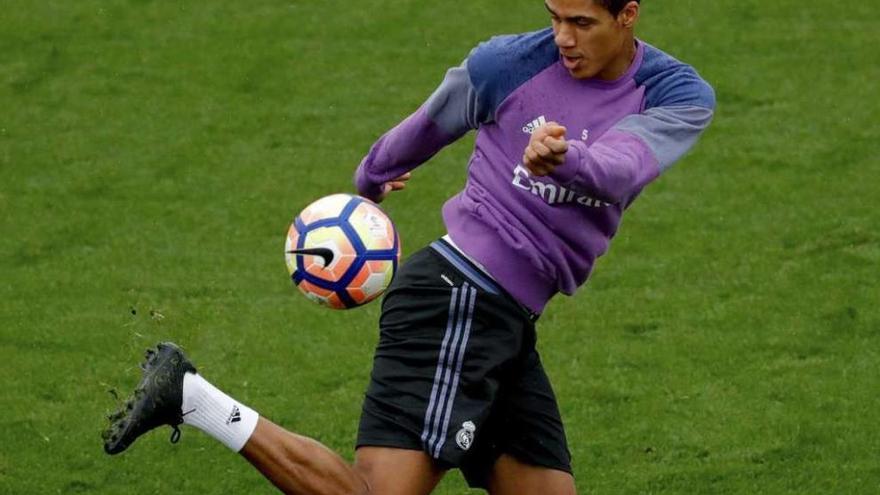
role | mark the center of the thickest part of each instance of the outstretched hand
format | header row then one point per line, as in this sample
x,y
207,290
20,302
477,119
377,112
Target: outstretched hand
x,y
396,184
546,149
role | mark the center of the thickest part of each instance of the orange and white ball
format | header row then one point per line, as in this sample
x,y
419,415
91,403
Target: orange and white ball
x,y
342,251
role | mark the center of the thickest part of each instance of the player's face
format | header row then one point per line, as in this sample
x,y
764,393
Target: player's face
x,y
591,41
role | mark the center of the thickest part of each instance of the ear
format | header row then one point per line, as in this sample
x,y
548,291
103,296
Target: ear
x,y
629,15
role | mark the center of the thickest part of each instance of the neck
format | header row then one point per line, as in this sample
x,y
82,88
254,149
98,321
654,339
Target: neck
x,y
622,62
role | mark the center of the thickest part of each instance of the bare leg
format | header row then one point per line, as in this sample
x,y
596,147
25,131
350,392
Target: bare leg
x,y
512,477
397,471
296,464
171,389
299,465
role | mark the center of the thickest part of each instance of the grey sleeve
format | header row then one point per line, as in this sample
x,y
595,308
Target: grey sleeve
x,y
669,131
454,106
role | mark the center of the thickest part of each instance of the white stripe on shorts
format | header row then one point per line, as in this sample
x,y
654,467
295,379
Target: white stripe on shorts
x,y
437,416
457,374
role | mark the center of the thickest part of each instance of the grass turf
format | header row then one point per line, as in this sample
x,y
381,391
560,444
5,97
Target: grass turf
x,y
152,154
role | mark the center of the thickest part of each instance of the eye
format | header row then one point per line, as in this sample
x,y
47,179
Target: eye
x,y
582,22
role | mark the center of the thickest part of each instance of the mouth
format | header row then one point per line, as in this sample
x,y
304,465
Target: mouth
x,y
571,62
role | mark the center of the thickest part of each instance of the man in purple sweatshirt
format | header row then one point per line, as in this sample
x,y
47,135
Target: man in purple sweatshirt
x,y
572,123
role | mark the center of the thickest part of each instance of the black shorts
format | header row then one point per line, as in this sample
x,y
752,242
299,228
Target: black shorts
x,y
456,372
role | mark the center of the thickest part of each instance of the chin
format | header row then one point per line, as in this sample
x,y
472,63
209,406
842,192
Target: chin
x,y
583,73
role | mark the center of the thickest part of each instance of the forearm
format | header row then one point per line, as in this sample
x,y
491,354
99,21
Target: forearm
x,y
614,168
403,148
635,151
450,112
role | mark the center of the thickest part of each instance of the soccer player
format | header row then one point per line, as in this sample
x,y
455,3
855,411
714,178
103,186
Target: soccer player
x,y
572,123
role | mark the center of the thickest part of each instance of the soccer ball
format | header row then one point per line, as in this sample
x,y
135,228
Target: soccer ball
x,y
342,251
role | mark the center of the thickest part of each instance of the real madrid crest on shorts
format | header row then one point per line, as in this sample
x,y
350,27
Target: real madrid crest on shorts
x,y
465,436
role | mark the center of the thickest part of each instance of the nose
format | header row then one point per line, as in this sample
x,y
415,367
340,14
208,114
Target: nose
x,y
565,36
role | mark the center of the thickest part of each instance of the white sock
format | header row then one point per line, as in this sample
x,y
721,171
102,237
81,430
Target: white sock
x,y
215,413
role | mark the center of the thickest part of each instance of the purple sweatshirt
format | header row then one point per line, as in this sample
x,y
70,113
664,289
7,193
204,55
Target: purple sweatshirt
x,y
537,236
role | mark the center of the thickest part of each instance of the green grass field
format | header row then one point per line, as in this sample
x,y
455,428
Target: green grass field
x,y
152,154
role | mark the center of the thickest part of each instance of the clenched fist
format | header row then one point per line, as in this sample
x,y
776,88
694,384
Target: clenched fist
x,y
546,149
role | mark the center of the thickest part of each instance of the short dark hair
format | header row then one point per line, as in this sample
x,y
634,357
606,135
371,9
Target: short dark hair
x,y
614,6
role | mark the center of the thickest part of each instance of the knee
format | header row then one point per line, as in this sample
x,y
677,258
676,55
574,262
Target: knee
x,y
391,471
352,485
364,487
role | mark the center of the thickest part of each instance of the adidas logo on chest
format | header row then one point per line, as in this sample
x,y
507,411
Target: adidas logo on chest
x,y
533,125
